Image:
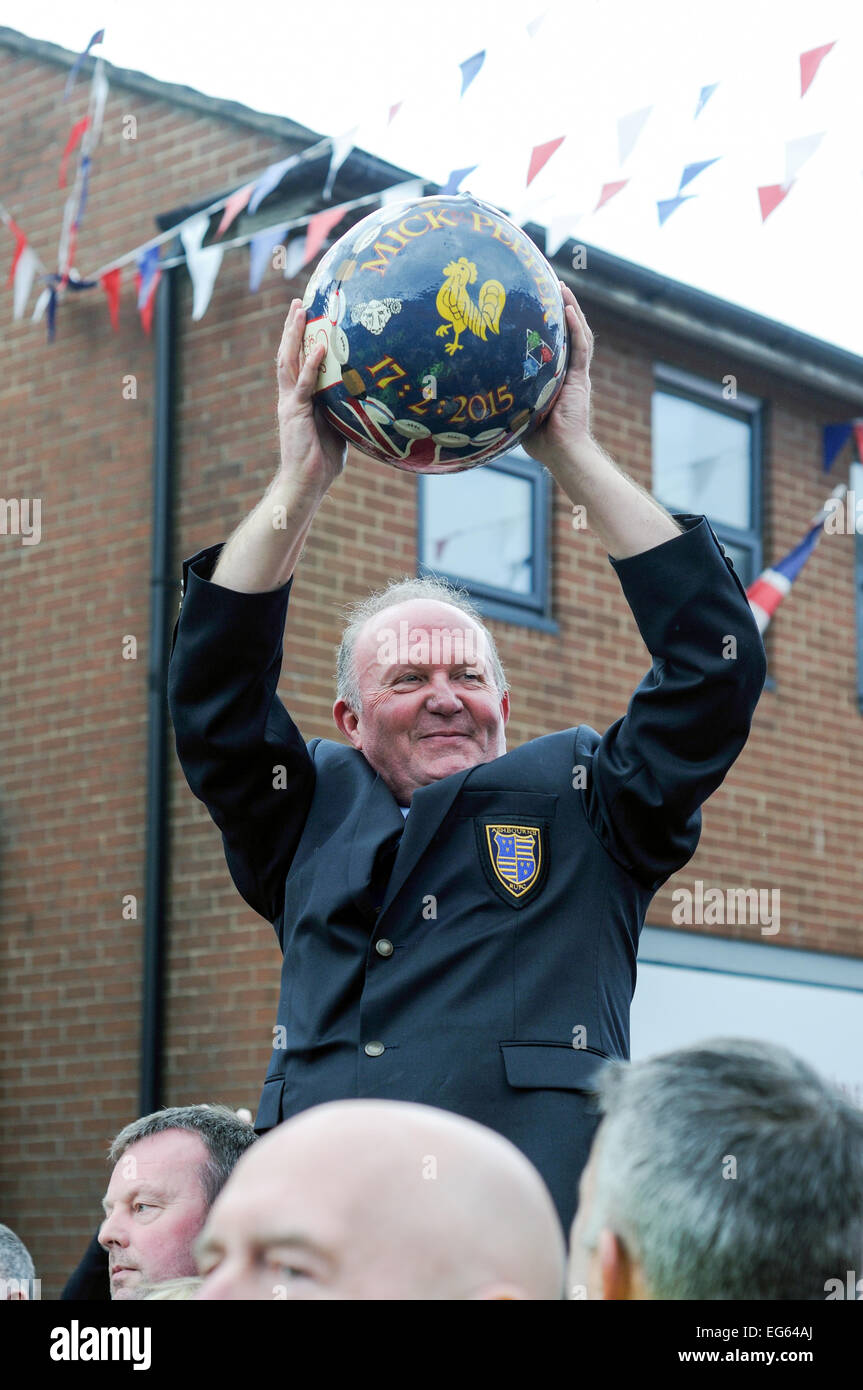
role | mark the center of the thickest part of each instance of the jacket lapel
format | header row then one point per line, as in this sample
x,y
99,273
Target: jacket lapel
x,y
376,817
429,806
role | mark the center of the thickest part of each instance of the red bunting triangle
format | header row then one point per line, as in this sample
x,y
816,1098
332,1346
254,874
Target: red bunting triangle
x,y
810,63
319,226
74,136
110,283
771,195
394,111
608,192
540,156
233,207
20,243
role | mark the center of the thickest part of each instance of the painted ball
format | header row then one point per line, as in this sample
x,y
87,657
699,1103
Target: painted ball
x,y
446,342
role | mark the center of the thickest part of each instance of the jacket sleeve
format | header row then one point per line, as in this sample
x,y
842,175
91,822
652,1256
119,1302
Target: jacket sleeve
x,y
242,754
689,717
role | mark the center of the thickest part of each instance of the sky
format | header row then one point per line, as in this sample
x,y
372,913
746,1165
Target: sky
x,y
342,65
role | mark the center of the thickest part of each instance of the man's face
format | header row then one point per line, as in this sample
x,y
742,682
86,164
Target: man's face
x,y
430,706
300,1219
154,1209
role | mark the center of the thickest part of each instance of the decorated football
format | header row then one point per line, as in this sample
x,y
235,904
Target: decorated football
x,y
445,334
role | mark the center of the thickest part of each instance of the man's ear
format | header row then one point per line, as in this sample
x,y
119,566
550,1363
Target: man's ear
x,y
347,723
616,1269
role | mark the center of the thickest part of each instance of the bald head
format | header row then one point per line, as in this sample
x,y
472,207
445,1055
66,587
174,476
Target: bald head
x,y
383,1200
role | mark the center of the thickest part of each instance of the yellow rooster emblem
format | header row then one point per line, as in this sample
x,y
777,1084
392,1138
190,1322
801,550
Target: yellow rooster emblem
x,y
454,303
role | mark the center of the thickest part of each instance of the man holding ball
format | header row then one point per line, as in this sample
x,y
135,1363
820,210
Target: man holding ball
x,y
459,924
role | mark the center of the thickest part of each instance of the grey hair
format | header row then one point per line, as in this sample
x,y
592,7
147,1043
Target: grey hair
x,y
426,587
15,1260
780,1222
226,1136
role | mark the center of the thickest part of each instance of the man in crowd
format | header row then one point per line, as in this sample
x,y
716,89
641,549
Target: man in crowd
x,y
17,1273
459,924
725,1170
169,1167
382,1200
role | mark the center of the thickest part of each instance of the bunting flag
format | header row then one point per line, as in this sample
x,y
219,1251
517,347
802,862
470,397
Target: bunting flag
x,y
469,69
693,170
406,192
98,97
394,111
270,179
234,206
810,62
771,586
110,283
85,186
295,257
28,264
147,277
20,243
451,186
342,146
540,155
51,309
834,439
771,195
609,191
559,230
319,228
534,25
261,248
703,98
628,130
202,262
669,205
74,136
41,305
797,152
98,37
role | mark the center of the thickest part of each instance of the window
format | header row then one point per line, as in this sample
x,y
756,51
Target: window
x,y
707,459
487,529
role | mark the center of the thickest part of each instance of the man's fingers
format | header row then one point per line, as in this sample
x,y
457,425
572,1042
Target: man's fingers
x,y
308,374
579,328
288,355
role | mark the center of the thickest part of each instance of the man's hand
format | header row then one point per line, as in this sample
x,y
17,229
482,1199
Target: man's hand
x,y
312,453
568,425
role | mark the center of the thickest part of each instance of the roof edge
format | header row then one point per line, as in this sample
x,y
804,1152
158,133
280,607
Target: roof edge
x,y
280,127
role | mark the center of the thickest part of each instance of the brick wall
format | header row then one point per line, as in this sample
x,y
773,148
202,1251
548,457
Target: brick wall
x,y
73,713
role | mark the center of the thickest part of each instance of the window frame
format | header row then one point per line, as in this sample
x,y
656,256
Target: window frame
x,y
675,381
526,610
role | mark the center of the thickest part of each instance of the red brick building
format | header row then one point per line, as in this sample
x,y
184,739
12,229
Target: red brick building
x,y
83,823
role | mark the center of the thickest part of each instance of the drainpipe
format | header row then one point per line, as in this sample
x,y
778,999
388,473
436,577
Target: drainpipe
x,y
164,593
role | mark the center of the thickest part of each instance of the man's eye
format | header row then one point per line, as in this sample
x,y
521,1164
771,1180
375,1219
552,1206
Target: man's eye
x,y
143,1206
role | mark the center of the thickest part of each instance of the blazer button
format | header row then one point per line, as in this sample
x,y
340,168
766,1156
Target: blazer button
x,y
373,1049
384,947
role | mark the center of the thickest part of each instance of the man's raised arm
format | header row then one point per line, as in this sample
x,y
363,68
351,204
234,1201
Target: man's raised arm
x,y
625,518
263,551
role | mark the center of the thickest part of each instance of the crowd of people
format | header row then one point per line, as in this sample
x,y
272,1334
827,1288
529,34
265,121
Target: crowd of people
x,y
725,1170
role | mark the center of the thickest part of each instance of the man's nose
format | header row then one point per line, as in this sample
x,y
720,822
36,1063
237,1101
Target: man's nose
x,y
112,1231
443,698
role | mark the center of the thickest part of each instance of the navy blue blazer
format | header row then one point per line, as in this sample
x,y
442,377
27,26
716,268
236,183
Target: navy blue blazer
x,y
498,972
